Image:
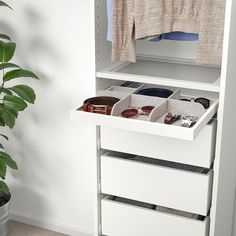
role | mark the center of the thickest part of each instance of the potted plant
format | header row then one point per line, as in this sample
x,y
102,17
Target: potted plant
x,y
13,99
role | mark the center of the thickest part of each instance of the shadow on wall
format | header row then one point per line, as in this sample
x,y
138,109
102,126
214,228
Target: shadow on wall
x,y
26,198
35,48
34,52
30,200
39,51
6,28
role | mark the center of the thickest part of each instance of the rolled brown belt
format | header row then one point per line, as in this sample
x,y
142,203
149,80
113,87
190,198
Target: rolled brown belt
x,y
100,105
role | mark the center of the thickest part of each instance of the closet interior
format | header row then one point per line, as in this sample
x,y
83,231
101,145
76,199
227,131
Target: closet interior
x,y
156,178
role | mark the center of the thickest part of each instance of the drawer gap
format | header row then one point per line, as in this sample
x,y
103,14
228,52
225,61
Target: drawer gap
x,y
159,162
153,207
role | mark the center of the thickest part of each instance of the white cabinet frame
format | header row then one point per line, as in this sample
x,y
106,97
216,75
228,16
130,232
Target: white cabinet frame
x,y
223,200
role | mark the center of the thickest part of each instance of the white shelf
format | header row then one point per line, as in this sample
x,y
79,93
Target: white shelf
x,y
167,72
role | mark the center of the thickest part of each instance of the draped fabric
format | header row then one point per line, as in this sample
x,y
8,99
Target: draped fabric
x,y
182,36
211,32
137,19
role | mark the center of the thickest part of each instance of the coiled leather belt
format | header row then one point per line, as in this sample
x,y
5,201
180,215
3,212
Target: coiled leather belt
x,y
100,105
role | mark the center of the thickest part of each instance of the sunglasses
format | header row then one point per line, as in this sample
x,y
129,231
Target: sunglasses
x,y
204,101
132,112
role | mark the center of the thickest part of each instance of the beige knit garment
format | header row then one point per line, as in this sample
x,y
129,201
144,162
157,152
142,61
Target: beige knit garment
x,y
137,19
211,32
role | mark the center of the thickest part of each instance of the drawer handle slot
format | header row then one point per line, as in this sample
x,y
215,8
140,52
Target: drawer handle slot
x,y
158,162
155,207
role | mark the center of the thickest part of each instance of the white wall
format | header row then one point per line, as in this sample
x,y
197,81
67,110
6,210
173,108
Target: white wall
x,y
54,186
54,181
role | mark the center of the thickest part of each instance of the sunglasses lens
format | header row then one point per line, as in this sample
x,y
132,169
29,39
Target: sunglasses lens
x,y
129,113
204,101
148,109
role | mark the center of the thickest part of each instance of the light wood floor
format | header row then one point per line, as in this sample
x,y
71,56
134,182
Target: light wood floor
x,y
18,229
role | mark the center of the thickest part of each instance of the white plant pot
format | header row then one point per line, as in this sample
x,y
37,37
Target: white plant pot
x,y
4,215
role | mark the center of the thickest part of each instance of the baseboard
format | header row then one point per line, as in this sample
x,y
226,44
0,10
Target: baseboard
x,y
67,229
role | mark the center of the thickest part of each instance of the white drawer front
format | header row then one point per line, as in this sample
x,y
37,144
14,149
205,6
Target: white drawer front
x,y
120,219
199,152
168,187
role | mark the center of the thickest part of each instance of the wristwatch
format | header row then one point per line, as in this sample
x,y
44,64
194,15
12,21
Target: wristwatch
x,y
188,121
100,105
171,118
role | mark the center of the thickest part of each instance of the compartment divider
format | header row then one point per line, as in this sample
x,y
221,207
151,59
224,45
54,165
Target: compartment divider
x,y
136,101
175,95
159,111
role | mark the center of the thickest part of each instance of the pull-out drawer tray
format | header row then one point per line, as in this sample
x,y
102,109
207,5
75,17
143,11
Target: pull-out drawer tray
x,y
149,127
180,189
120,219
199,152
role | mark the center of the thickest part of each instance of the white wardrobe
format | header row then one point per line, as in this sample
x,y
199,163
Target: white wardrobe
x,y
157,179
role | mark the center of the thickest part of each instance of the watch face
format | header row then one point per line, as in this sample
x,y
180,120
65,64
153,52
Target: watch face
x,y
189,121
190,118
186,123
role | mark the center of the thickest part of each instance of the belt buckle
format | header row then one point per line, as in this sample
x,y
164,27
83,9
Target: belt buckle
x,y
100,109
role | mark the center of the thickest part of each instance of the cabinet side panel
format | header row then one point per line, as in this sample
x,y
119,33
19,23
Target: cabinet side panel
x,y
225,162
94,141
103,47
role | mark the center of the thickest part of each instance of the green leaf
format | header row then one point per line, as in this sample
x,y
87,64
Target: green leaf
x,y
8,118
8,65
13,101
19,73
3,169
1,146
6,91
4,188
4,136
8,108
7,51
2,122
3,4
11,109
4,36
4,157
25,92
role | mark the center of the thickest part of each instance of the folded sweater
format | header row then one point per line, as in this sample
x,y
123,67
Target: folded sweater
x,y
136,19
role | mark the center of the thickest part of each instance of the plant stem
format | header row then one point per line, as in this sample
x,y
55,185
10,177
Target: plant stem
x,y
2,85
